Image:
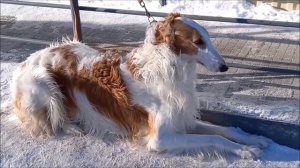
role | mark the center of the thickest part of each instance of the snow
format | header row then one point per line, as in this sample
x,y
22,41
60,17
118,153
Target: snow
x,y
286,111
228,8
18,149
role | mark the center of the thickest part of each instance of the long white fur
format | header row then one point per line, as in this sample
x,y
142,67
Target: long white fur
x,y
166,79
168,84
166,92
38,91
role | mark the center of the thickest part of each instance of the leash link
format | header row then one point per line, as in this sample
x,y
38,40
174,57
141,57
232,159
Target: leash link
x,y
150,17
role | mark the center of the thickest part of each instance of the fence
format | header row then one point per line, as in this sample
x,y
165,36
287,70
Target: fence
x,y
158,14
280,4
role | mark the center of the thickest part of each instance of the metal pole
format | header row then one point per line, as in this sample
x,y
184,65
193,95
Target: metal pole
x,y
163,2
76,20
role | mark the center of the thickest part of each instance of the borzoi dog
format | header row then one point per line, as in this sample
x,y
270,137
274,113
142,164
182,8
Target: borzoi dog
x,y
146,95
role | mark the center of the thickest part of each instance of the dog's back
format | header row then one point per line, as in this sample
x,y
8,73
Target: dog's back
x,y
74,83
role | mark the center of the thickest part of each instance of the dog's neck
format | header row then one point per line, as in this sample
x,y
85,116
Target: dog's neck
x,y
159,64
165,78
170,77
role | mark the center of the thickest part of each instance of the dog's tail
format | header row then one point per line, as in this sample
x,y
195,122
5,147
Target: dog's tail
x,y
37,99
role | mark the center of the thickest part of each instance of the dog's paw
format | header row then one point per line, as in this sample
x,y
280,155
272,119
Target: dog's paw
x,y
71,129
252,140
247,152
259,141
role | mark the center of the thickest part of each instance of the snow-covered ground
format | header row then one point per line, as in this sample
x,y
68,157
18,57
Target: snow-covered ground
x,y
18,149
228,8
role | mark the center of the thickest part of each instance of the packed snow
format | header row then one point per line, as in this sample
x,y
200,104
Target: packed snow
x,y
18,149
228,8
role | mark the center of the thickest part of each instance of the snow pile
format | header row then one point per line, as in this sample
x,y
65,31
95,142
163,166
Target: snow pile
x,y
277,111
230,8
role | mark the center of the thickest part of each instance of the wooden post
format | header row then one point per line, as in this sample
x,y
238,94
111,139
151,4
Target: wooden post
x,y
76,20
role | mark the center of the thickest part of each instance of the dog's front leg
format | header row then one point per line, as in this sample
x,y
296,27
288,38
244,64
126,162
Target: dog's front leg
x,y
234,134
192,143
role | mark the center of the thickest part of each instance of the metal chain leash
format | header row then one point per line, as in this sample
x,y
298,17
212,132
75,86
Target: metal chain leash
x,y
150,17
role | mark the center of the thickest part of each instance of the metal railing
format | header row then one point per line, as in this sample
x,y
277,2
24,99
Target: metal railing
x,y
159,14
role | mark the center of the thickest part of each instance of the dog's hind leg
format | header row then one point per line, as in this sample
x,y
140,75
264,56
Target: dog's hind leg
x,y
192,143
37,100
231,133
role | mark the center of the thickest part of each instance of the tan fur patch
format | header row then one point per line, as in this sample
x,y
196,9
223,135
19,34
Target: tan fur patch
x,y
180,36
36,122
103,87
132,67
22,65
17,106
39,124
113,51
151,126
70,58
64,74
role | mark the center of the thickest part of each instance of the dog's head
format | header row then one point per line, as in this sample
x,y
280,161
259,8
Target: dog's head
x,y
188,38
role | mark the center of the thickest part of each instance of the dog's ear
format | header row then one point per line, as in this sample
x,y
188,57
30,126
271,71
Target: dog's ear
x,y
164,34
164,31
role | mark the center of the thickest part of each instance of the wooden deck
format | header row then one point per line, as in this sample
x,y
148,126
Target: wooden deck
x,y
280,4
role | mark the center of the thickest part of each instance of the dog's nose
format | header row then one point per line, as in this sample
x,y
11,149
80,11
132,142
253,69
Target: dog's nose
x,y
223,68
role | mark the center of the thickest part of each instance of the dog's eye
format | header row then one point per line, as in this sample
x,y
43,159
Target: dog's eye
x,y
198,42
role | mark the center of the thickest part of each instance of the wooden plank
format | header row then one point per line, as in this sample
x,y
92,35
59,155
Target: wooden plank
x,y
243,54
76,20
280,4
296,56
218,42
280,132
281,51
273,50
264,50
290,50
229,47
281,55
255,49
296,83
223,44
234,53
238,47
